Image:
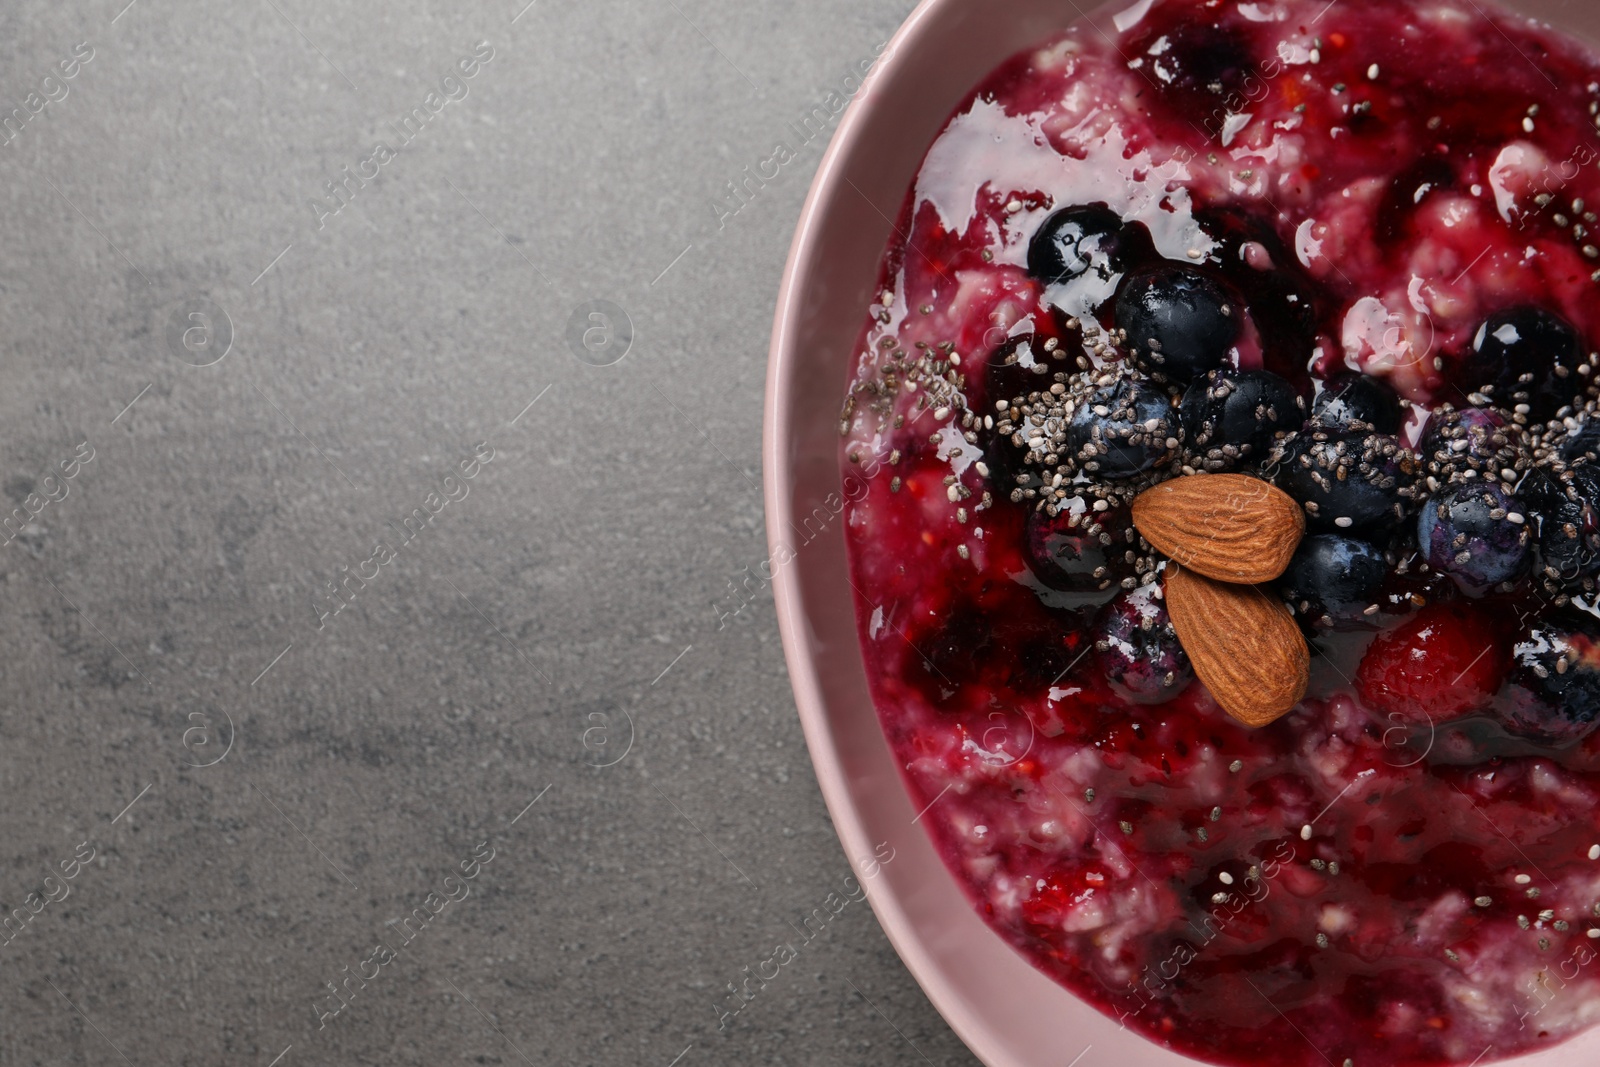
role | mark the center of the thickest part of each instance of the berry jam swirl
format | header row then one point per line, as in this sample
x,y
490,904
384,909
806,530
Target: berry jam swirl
x,y
1346,249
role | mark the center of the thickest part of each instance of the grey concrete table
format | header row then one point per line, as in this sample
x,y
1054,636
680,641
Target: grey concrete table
x,y
374,688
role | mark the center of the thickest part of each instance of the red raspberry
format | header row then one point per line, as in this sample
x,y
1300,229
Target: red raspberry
x,y
1447,661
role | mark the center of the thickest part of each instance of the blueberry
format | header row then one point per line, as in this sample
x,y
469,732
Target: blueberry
x,y
1514,360
1078,551
1348,483
1565,510
1484,441
1180,322
1353,401
1138,650
1476,533
1123,429
1553,694
1075,240
1333,580
1233,417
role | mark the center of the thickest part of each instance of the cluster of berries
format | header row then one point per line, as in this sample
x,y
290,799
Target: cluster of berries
x,y
1500,498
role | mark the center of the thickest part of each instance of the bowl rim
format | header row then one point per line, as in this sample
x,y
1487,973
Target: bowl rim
x,y
777,478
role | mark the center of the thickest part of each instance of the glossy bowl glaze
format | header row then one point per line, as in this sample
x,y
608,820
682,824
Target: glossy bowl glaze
x,y
1008,1013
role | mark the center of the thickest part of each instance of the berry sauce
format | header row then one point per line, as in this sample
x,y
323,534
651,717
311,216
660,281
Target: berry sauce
x,y
1388,874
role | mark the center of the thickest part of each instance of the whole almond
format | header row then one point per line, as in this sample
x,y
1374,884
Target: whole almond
x,y
1230,527
1243,643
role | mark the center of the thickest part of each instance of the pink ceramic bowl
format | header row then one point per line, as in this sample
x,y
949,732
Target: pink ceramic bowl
x,y
1008,1013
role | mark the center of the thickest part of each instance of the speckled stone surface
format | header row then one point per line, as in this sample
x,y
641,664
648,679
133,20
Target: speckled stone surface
x,y
228,384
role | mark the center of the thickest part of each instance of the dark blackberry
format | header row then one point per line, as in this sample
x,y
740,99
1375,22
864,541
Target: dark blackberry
x,y
1553,694
1233,418
1565,508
